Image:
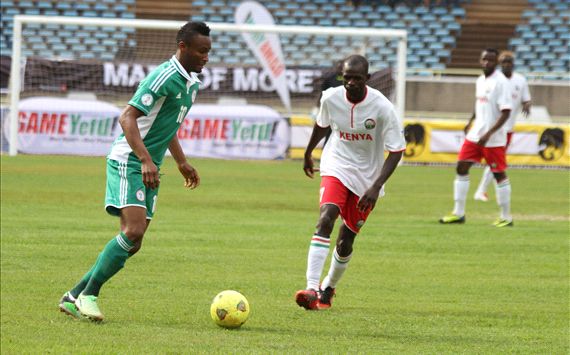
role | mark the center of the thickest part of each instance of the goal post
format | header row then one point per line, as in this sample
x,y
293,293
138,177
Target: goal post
x,y
95,50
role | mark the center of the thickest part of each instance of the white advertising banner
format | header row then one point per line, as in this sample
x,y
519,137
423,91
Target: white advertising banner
x,y
265,46
65,126
234,132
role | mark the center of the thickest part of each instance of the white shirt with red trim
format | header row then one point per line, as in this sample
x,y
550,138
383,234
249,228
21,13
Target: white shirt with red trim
x,y
521,93
361,132
493,94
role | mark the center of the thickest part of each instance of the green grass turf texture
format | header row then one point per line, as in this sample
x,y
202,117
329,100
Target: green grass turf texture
x,y
413,285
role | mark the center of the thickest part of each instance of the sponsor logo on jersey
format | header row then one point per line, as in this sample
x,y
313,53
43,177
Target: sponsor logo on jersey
x,y
146,99
360,223
355,136
370,123
140,195
179,95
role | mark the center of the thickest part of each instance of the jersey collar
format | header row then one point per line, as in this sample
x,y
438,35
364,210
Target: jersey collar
x,y
191,77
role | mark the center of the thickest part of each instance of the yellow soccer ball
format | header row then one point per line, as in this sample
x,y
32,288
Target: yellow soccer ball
x,y
229,309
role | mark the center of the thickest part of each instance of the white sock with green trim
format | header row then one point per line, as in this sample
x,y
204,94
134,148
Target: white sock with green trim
x,y
318,252
336,270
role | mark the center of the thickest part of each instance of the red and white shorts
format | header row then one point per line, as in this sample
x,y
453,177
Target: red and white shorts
x,y
334,192
494,156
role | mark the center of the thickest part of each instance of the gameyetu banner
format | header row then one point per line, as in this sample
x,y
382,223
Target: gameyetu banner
x,y
65,126
234,132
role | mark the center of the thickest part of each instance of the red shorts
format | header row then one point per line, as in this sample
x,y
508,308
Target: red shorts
x,y
335,193
494,156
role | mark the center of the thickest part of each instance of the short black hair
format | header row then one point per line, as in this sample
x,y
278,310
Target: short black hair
x,y
357,61
190,29
492,50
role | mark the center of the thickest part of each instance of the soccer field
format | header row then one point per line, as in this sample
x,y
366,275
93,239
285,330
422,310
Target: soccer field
x,y
413,285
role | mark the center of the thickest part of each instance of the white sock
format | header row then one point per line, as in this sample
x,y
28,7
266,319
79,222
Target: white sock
x,y
318,252
486,179
336,270
503,190
460,190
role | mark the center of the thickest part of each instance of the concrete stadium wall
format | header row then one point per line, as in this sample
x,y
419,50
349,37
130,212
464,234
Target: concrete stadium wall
x,y
458,95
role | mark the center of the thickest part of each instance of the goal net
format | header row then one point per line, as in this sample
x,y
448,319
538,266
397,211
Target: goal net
x,y
97,63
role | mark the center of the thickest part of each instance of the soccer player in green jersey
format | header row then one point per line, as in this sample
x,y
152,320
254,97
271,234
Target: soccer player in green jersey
x,y
149,122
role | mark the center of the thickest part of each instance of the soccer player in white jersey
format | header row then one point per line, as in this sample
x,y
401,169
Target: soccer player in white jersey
x,y
486,138
521,103
149,122
363,124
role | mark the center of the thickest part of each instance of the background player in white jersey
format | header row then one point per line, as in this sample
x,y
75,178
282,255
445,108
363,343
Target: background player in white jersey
x,y
363,124
486,138
149,122
521,103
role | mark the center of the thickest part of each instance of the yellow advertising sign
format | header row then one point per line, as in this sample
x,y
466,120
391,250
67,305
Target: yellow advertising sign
x,y
439,141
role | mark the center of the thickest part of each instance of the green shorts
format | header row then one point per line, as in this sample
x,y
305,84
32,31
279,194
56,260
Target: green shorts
x,y
125,188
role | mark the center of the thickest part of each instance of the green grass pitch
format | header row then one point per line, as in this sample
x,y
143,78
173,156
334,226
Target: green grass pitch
x,y
413,286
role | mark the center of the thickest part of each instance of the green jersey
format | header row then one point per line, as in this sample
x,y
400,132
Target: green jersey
x,y
164,96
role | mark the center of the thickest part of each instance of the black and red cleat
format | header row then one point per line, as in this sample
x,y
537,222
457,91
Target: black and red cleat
x,y
308,299
325,299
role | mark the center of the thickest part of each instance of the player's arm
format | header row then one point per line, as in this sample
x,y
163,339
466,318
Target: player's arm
x,y
526,99
316,136
191,177
368,200
128,122
469,123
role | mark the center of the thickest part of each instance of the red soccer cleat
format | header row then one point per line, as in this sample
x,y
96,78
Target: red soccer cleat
x,y
308,299
325,299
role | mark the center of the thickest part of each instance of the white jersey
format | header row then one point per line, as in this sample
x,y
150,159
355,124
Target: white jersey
x,y
520,92
361,133
493,94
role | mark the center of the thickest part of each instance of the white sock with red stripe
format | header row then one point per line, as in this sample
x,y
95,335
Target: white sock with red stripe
x,y
503,191
336,270
318,252
460,190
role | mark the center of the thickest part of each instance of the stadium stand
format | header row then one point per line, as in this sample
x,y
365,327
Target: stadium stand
x,y
438,37
431,31
72,41
542,41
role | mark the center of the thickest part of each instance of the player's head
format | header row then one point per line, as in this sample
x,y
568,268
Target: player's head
x,y
194,44
355,75
488,60
507,62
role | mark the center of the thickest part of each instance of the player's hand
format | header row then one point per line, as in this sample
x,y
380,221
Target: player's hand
x,y
308,167
526,109
368,200
150,176
483,140
191,177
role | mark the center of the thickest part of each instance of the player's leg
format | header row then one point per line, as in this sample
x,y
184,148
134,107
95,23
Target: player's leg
x,y
317,255
339,262
333,195
497,160
486,178
353,220
469,153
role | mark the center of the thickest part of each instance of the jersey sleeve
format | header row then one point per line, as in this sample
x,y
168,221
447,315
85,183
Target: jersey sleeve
x,y
393,132
149,91
323,117
504,96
